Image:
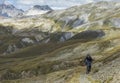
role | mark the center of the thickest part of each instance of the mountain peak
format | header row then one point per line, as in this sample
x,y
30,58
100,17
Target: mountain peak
x,y
42,7
9,10
37,10
7,6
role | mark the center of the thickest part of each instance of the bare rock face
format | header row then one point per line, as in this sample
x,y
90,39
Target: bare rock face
x,y
9,75
82,19
28,74
11,48
27,40
116,22
44,7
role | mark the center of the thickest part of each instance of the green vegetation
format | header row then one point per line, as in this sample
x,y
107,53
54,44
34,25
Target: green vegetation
x,y
57,61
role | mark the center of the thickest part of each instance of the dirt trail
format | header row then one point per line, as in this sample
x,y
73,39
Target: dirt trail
x,y
84,78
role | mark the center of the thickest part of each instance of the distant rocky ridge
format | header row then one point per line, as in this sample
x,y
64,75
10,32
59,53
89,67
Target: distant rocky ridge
x,y
43,7
8,10
37,9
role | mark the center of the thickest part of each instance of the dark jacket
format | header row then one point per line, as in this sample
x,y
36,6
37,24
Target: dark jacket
x,y
88,60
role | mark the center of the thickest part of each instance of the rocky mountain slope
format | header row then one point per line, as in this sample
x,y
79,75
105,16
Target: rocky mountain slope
x,y
8,10
37,9
50,48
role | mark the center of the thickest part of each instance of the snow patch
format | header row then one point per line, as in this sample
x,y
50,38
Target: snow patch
x,y
35,12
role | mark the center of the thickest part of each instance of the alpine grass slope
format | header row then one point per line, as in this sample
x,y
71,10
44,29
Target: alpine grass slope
x,y
50,48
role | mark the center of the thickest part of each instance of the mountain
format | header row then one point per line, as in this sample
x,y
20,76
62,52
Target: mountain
x,y
51,48
8,10
37,9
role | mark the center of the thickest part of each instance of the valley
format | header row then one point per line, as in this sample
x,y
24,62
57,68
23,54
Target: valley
x,y
51,48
